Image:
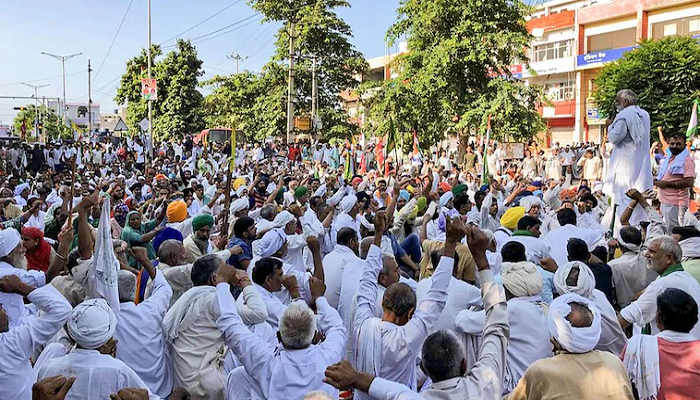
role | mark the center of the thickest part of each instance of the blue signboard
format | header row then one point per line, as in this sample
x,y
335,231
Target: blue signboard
x,y
601,57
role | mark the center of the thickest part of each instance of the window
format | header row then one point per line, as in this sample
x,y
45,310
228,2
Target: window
x,y
612,40
552,51
559,91
681,26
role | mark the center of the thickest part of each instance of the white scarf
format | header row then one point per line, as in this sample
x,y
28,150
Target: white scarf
x,y
573,339
176,319
642,361
368,356
102,276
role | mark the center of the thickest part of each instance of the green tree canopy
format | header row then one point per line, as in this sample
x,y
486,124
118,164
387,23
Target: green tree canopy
x,y
665,76
48,119
178,109
456,72
321,33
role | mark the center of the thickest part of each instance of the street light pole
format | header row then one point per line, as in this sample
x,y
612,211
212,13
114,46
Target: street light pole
x,y
150,102
63,59
36,106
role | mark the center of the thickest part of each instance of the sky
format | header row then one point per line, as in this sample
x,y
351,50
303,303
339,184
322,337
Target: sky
x,y
65,27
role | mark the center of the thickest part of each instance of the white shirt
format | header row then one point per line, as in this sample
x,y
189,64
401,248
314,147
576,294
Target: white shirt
x,y
344,221
139,153
401,344
535,248
18,345
566,157
529,335
37,221
13,304
333,266
141,343
461,296
279,373
559,237
97,375
295,246
258,154
643,310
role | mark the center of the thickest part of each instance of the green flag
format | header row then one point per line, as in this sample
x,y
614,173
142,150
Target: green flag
x,y
693,124
391,139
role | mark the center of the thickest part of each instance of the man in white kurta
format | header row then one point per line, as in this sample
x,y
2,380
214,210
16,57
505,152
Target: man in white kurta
x,y
98,374
399,345
271,372
196,344
334,263
18,345
630,166
140,334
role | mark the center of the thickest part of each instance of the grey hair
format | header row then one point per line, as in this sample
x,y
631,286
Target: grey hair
x,y
168,248
442,354
365,245
628,95
126,286
670,245
268,212
317,395
297,326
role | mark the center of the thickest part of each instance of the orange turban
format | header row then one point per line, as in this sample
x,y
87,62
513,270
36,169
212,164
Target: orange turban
x,y
177,211
445,187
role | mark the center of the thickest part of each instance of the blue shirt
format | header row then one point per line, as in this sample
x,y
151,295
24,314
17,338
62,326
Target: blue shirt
x,y
236,259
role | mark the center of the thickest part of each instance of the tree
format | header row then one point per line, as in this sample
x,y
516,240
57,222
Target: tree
x,y
457,70
231,102
665,76
48,119
321,33
178,109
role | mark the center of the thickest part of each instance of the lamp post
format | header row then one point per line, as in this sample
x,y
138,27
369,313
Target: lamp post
x,y
62,59
36,106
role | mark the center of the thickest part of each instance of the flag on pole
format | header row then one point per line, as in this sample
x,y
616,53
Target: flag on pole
x,y
349,167
102,275
379,153
485,173
391,139
693,124
417,154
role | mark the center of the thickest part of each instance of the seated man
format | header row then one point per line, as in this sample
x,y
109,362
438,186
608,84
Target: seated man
x,y
576,372
529,340
18,345
665,366
98,373
388,347
298,366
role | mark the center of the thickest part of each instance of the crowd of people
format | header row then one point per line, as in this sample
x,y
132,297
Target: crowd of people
x,y
317,272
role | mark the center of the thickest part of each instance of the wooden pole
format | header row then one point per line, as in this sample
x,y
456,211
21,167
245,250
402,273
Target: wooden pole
x,y
229,176
72,188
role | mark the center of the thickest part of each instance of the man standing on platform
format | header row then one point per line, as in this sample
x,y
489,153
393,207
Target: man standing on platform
x,y
630,165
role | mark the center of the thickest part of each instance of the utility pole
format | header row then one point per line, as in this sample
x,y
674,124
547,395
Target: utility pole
x,y
89,100
237,58
36,106
63,59
290,97
150,102
314,91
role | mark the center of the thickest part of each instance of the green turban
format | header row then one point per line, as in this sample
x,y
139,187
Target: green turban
x,y
422,204
459,189
300,191
201,221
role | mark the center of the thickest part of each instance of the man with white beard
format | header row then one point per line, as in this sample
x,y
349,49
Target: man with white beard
x,y
13,261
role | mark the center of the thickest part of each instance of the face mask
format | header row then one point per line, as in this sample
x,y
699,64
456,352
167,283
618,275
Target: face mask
x,y
676,152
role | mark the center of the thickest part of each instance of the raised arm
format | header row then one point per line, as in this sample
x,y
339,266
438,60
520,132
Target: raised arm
x,y
367,293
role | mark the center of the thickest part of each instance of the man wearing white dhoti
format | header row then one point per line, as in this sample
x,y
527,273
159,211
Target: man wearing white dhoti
x,y
19,344
630,166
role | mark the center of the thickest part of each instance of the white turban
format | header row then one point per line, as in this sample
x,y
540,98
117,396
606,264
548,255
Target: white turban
x,y
321,191
348,203
445,198
271,242
240,190
271,187
282,219
365,222
20,188
239,205
522,279
92,323
9,240
586,280
573,339
528,202
631,246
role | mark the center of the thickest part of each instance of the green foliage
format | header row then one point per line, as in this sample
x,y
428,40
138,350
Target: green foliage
x,y
319,32
455,47
49,120
665,76
178,109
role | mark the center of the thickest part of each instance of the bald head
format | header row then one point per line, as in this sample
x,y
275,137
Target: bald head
x,y
172,252
580,315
